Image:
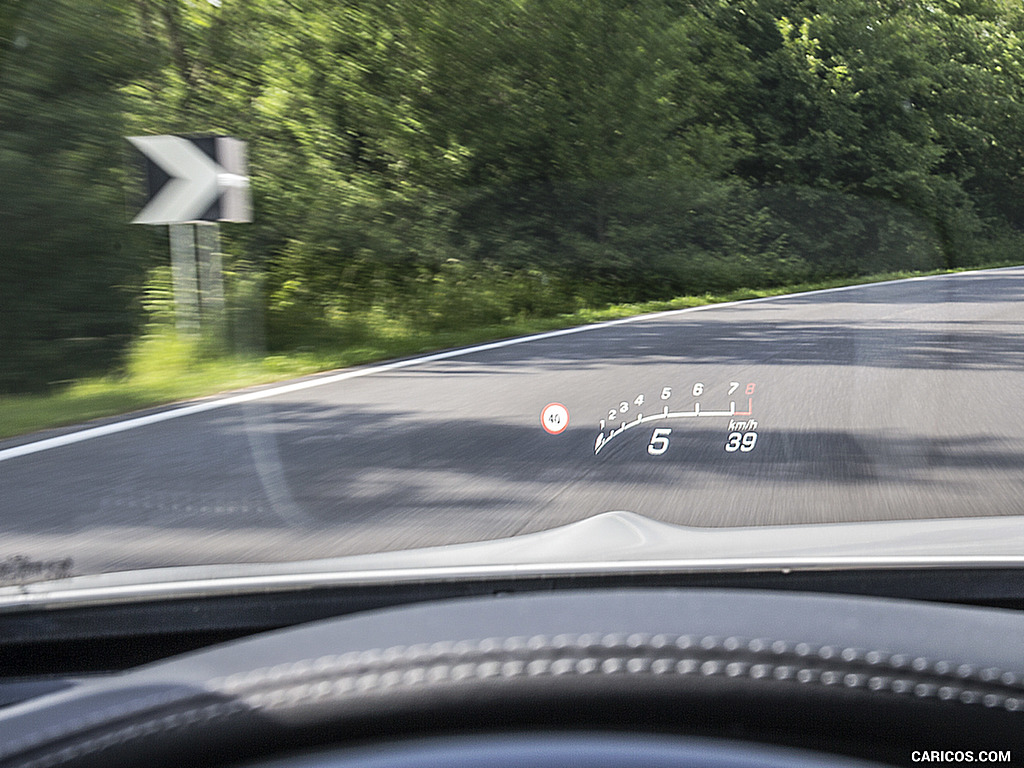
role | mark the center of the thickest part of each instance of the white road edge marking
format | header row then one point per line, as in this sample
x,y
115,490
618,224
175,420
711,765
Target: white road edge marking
x,y
176,413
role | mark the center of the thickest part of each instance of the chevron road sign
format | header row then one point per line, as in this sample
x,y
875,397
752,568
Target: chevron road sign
x,y
193,182
194,179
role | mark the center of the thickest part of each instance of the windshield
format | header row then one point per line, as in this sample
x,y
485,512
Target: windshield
x,y
283,280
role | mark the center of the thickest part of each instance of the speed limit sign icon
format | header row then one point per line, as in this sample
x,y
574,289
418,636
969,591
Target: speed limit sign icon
x,y
554,418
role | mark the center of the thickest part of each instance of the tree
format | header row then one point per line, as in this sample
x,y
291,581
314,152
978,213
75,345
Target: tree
x,y
66,247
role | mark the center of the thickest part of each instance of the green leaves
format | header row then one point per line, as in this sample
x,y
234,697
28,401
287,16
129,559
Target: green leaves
x,y
466,161
66,250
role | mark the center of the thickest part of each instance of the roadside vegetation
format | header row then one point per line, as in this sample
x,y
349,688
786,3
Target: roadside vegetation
x,y
164,367
435,174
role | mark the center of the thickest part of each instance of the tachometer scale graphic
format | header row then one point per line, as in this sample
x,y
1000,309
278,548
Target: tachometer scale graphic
x,y
742,434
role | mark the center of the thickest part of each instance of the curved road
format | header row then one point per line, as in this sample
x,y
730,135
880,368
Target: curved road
x,y
896,400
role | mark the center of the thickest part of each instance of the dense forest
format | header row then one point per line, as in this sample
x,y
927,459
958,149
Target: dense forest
x,y
461,162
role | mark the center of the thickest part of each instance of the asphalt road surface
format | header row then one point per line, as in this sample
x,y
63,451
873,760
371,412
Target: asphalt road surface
x,y
892,401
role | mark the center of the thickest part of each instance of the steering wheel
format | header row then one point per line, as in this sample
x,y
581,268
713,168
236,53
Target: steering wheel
x,y
673,677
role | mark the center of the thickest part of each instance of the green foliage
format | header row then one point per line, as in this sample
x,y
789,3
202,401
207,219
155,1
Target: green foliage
x,y
65,249
164,367
421,168
911,103
826,234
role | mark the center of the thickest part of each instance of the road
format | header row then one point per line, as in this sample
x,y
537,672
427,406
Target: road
x,y
891,401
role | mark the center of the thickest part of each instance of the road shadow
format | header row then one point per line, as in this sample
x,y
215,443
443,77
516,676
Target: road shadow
x,y
364,479
346,465
731,340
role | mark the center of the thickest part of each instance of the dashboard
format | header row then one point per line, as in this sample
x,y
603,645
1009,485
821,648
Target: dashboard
x,y
668,676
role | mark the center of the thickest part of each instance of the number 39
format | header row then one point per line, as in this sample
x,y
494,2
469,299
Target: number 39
x,y
741,442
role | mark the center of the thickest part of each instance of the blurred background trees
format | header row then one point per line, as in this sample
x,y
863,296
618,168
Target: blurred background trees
x,y
469,161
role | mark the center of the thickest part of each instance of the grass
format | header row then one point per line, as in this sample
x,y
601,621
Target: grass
x,y
163,368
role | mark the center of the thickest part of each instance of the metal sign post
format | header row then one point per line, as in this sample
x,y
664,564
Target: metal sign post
x,y
183,272
211,277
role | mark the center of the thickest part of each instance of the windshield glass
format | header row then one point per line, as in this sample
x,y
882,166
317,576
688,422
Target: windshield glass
x,y
288,279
